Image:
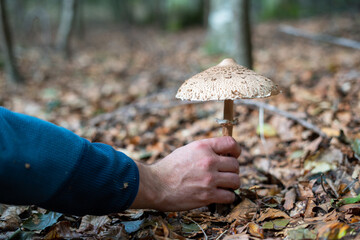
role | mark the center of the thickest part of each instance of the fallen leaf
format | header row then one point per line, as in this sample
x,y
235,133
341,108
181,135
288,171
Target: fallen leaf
x,y
280,223
331,216
268,130
333,230
356,147
290,197
276,224
41,221
299,209
349,200
255,230
305,190
353,219
268,225
242,210
331,132
314,145
62,230
241,236
132,226
351,209
309,209
283,128
297,154
166,230
10,219
326,160
301,233
272,213
93,223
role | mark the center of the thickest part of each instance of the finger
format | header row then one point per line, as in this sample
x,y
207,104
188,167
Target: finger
x,y
223,196
228,164
228,181
225,146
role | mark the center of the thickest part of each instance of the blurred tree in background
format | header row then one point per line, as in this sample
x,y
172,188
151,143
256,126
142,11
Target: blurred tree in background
x,y
12,71
66,26
229,30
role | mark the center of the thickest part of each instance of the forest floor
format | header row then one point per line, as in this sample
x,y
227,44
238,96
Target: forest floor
x,y
119,89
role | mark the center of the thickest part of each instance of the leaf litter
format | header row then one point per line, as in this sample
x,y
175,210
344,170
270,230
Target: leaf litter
x,y
299,186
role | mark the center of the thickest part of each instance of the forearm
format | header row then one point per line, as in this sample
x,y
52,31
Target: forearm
x,y
49,166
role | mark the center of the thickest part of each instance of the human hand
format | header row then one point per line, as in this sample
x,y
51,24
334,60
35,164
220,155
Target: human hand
x,y
196,175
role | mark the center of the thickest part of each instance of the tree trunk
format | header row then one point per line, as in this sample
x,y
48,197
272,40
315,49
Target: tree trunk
x,y
12,72
79,20
66,26
206,10
243,34
229,30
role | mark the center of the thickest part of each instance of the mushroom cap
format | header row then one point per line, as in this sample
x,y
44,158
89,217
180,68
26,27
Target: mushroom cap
x,y
226,81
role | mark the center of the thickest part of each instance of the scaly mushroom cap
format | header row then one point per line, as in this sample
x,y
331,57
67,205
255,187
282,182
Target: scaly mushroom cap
x,y
226,81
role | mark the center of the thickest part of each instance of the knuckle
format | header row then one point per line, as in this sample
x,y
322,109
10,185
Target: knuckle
x,y
205,196
209,180
207,163
199,144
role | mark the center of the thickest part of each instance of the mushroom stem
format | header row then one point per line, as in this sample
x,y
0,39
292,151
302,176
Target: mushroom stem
x,y
228,115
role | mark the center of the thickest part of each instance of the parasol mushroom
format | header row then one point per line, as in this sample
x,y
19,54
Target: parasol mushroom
x,y
226,81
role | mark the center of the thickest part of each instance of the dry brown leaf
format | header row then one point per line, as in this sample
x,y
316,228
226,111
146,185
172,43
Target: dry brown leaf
x,y
204,217
9,219
331,216
93,223
352,219
255,230
242,210
165,228
314,145
290,197
242,236
333,230
351,209
241,229
331,132
272,213
283,126
62,230
309,209
305,190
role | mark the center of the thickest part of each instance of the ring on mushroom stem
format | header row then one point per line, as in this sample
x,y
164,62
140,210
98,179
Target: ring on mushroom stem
x,y
225,122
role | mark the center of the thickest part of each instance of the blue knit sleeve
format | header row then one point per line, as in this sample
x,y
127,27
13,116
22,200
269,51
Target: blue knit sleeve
x,y
46,165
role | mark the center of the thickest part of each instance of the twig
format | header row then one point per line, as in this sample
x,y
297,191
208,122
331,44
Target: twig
x,y
206,237
221,234
275,110
350,186
262,137
320,37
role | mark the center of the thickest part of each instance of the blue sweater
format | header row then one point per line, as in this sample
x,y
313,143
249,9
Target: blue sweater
x,y
51,167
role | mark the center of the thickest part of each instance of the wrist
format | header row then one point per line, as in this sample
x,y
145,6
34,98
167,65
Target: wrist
x,y
149,193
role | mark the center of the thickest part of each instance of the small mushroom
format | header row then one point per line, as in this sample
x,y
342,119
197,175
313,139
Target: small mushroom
x,y
226,81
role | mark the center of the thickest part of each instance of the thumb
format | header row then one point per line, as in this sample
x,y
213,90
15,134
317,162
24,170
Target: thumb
x,y
224,146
